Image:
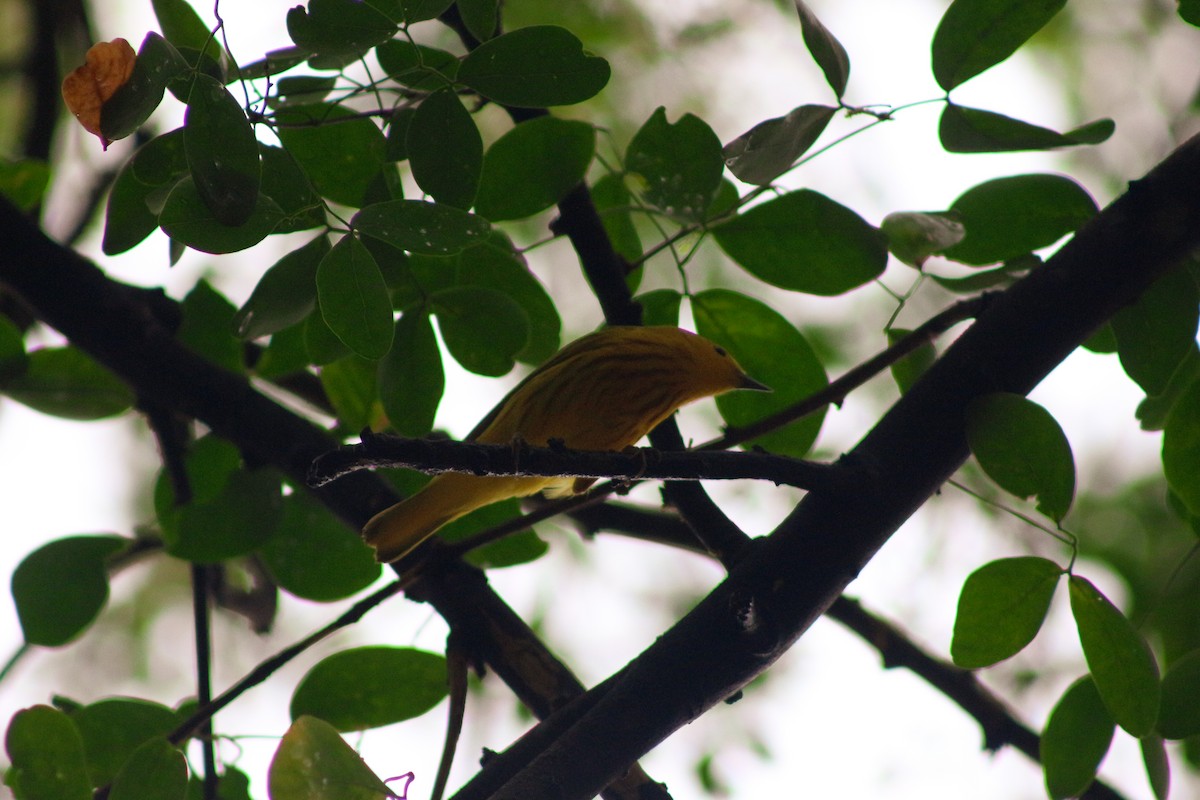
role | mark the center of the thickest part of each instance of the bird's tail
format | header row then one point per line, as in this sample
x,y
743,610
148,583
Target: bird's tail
x,y
395,531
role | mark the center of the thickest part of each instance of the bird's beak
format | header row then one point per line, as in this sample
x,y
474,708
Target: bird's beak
x,y
750,383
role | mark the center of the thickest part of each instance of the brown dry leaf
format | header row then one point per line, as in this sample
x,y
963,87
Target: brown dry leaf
x,y
108,67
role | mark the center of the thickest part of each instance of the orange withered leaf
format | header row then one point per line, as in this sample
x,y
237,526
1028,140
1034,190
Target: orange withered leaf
x,y
85,90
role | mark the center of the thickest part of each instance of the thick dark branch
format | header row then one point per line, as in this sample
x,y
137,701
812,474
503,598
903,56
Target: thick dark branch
x,y
789,579
520,458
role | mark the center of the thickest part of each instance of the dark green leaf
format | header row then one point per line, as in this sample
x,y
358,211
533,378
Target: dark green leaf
x,y
237,521
314,555
1181,447
1022,448
1075,740
1189,12
909,369
60,588
46,752
349,383
416,66
495,265
284,182
397,134
182,27
158,63
445,150
303,89
286,293
1179,714
369,687
805,242
1120,661
533,166
679,164
770,148
1158,768
114,728
13,360
826,50
1001,609
913,236
341,29
286,353
312,133
973,130
756,335
483,329
139,191
313,762
613,202
66,382
207,327
187,219
411,381
1009,217
975,282
353,298
1155,334
519,548
276,62
322,344
420,227
24,181
534,67
977,34
660,307
480,17
155,771
421,10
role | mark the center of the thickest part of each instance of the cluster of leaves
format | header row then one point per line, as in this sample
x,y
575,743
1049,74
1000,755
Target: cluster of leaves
x,y
356,305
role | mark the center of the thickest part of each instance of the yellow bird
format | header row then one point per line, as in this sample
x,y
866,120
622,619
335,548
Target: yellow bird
x,y
604,391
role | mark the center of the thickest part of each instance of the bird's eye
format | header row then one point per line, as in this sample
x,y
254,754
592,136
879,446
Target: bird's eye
x,y
720,351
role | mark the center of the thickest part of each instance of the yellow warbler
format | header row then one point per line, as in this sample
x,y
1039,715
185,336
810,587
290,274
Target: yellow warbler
x,y
603,391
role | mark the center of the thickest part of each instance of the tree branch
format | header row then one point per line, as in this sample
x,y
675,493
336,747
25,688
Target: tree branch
x,y
790,578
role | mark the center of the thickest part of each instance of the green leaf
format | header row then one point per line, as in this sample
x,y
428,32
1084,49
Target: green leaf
x,y
805,242
157,64
60,588
1153,412
1179,714
349,383
140,189
1155,334
312,133
207,327
1075,741
322,345
46,752
534,67
972,130
1022,448
313,762
339,29
911,367
1120,661
496,265
13,359
1009,217
613,201
24,181
826,50
182,27
238,518
286,293
112,729
755,334
445,149
155,771
420,227
302,89
417,66
480,17
421,10
520,548
679,164
1181,447
1158,768
353,298
772,147
284,182
1189,11
660,307
533,166
369,687
483,329
65,382
913,236
1001,609
410,378
187,219
975,35
314,555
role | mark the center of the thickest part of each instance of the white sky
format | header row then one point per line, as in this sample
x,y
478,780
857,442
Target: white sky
x,y
837,724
